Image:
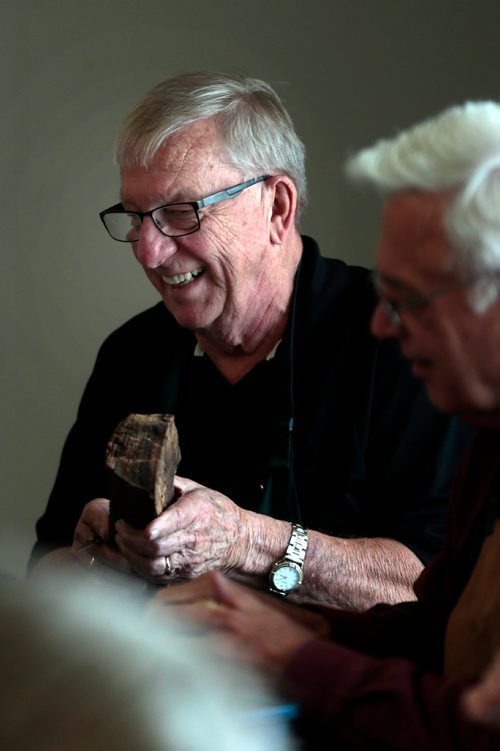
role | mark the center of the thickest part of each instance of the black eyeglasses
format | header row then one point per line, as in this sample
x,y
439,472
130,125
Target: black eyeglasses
x,y
172,219
417,302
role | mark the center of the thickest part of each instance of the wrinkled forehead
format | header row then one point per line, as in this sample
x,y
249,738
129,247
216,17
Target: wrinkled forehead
x,y
186,166
413,236
199,142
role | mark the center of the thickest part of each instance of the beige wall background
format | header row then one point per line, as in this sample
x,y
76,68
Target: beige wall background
x,y
350,71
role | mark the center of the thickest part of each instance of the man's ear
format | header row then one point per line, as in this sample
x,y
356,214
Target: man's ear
x,y
283,208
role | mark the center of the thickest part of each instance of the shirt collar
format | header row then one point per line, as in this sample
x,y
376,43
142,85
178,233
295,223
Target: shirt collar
x,y
199,351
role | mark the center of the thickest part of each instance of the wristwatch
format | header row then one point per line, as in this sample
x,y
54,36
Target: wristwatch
x,y
287,573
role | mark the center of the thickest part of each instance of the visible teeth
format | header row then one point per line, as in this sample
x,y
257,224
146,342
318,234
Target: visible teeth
x,y
182,278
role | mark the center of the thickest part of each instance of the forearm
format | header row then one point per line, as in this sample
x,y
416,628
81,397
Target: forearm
x,y
357,573
345,573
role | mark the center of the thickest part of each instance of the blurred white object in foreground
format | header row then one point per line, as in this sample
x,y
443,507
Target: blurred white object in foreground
x,y
83,667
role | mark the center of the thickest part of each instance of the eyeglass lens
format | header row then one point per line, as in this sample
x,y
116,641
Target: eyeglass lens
x,y
179,219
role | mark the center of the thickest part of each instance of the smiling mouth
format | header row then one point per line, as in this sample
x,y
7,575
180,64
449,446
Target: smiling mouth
x,y
180,280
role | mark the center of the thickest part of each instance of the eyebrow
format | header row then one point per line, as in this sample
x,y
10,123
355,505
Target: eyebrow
x,y
155,202
395,283
439,277
158,200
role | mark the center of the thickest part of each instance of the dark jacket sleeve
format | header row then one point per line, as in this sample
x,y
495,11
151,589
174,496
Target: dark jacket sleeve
x,y
126,378
80,476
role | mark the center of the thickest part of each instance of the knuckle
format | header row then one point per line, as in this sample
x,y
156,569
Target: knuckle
x,y
156,547
151,568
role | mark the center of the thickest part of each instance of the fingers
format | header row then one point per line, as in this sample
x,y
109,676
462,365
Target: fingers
x,y
132,555
157,569
140,541
101,554
204,588
91,527
176,517
212,587
208,614
137,540
90,549
155,560
201,531
264,635
94,521
185,485
197,602
231,594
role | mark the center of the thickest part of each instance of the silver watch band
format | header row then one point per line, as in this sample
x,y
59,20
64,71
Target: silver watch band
x,y
296,550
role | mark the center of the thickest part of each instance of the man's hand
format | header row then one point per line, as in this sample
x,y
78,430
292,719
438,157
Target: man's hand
x,y
202,531
264,630
91,539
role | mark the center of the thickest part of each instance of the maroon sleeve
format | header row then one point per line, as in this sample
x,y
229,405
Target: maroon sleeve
x,y
391,693
366,702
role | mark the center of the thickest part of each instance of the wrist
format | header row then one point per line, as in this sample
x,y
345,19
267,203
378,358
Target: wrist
x,y
261,542
287,574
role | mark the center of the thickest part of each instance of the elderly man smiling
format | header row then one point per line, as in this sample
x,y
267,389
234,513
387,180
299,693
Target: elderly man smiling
x,y
291,417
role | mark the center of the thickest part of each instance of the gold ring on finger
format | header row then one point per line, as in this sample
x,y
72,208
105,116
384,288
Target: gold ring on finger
x,y
168,566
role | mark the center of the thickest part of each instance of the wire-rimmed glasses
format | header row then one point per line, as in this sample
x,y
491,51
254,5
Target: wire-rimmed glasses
x,y
418,302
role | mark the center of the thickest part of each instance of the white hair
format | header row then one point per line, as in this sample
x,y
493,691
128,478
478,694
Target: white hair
x,y
82,667
457,151
254,127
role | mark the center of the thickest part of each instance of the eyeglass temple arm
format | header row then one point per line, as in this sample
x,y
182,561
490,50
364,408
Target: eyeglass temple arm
x,y
229,192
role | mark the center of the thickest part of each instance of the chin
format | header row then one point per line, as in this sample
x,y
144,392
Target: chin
x,y
474,406
445,399
189,319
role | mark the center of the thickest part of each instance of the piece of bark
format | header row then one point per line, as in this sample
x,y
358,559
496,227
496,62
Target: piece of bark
x,y
141,460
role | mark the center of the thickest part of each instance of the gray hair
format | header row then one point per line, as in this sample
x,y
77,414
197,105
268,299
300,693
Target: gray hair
x,y
255,128
457,150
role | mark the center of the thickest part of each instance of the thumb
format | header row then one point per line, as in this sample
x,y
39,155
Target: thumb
x,y
184,485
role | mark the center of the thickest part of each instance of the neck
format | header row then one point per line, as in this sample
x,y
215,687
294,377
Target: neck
x,y
487,419
239,348
236,360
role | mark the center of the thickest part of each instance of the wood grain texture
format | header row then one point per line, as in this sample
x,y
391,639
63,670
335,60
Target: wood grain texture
x,y
141,460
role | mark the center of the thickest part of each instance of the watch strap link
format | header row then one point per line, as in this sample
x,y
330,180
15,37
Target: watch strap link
x,y
296,550
293,561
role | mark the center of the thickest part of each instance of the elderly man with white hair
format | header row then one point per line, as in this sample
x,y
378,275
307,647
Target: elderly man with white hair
x,y
400,676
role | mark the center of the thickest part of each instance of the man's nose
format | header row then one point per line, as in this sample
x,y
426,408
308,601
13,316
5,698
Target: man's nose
x,y
382,326
153,248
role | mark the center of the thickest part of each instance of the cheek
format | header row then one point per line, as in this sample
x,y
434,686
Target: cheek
x,y
229,251
215,240
473,346
469,367
483,360
153,278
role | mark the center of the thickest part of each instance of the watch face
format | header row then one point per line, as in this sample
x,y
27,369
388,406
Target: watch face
x,y
286,578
